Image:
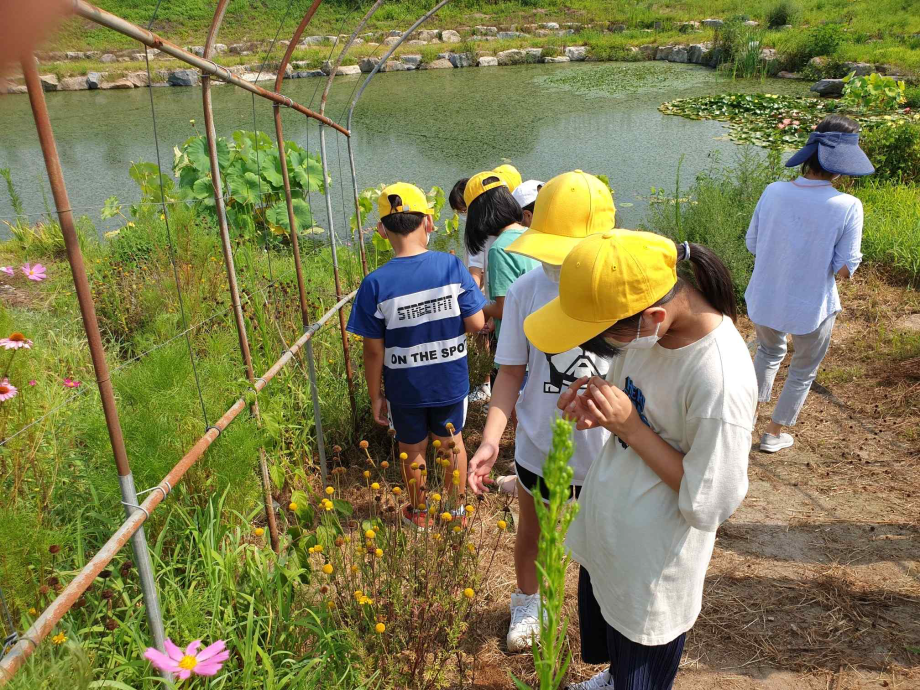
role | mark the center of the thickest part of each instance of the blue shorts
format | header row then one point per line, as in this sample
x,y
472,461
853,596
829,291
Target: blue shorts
x,y
413,424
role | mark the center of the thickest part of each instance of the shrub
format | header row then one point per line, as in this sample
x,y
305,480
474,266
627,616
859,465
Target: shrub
x,y
891,230
823,40
894,149
796,49
873,92
912,97
782,13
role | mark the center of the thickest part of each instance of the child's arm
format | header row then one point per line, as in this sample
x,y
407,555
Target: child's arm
x,y
494,310
474,322
373,373
504,396
477,274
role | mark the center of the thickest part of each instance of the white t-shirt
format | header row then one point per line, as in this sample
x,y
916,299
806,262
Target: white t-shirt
x,y
645,546
549,376
480,260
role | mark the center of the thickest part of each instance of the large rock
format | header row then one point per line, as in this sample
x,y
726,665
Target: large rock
x,y
511,57
73,84
391,40
576,53
617,28
770,60
92,54
697,54
688,27
428,35
862,69
395,66
539,33
679,54
305,74
416,42
828,87
313,41
440,63
552,60
510,35
664,52
649,51
818,63
488,61
553,26
533,54
368,64
120,84
411,60
94,79
461,59
222,48
16,88
450,36
486,30
197,50
394,32
716,55
49,82
139,79
788,75
108,59
713,23
75,55
183,77
751,23
345,70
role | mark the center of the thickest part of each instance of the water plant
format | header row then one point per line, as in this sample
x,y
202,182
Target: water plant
x,y
873,92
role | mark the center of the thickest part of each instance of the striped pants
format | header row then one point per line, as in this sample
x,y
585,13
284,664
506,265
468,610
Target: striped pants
x,y
633,666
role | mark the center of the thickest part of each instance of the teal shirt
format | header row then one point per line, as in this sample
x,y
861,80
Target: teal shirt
x,y
505,268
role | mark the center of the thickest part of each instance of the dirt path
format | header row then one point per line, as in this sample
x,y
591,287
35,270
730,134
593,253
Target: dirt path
x,y
815,580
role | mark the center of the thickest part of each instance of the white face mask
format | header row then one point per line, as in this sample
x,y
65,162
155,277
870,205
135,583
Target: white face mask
x,y
554,273
643,342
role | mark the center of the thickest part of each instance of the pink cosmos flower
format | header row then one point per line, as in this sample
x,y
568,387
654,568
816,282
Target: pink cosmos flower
x,y
907,109
8,270
787,121
71,383
36,272
7,390
33,382
207,662
15,341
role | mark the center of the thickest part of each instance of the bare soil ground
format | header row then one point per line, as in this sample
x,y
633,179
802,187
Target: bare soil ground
x,y
815,580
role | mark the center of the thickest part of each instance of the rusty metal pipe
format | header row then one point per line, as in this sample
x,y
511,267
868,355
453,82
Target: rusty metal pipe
x,y
94,340
99,16
52,615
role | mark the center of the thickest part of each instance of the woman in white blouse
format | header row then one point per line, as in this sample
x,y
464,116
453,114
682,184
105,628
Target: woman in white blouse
x,y
804,234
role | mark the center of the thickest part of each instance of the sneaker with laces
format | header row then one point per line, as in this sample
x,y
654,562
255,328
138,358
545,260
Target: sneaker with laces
x,y
525,621
770,443
507,484
602,681
481,394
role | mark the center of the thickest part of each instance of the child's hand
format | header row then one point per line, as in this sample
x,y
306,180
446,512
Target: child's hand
x,y
574,408
480,465
611,408
380,412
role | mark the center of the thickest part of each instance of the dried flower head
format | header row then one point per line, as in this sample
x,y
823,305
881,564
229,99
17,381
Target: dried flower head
x,y
105,574
336,449
396,491
54,548
391,433
367,474
107,594
384,464
363,445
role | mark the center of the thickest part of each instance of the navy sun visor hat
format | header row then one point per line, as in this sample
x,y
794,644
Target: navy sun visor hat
x,y
838,153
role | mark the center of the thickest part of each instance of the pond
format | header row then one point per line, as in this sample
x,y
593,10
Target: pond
x,y
429,127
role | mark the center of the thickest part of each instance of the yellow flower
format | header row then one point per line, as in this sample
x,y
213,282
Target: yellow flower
x,y
470,510
327,504
436,444
359,594
370,534
421,506
455,481
365,600
378,553
435,497
363,445
403,456
397,490
414,465
292,506
354,568
457,529
329,491
446,517
471,548
318,548
32,611
312,549
412,481
259,531
60,638
330,605
432,510
375,486
328,569
380,628
469,593
367,474
456,473
348,540
502,524
436,536
450,427
384,464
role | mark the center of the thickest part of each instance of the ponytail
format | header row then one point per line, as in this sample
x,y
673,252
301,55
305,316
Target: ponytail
x,y
711,276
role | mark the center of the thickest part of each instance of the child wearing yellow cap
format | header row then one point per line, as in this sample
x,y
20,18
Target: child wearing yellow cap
x,y
679,401
414,313
566,209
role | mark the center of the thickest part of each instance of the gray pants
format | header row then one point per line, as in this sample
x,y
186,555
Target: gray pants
x,y
809,352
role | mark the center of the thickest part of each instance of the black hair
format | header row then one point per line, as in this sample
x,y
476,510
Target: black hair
x,y
710,277
455,199
832,123
530,207
401,223
489,214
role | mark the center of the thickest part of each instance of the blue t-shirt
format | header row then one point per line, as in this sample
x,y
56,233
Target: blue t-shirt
x,y
417,304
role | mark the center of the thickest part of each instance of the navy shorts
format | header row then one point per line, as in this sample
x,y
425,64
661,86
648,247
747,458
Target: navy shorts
x,y
529,481
413,424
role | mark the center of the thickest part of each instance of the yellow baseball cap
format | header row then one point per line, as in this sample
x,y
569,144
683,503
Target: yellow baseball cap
x,y
413,200
475,186
510,175
569,208
607,277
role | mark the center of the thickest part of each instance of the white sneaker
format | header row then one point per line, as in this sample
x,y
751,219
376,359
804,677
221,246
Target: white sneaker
x,y
601,681
507,484
525,621
481,394
770,443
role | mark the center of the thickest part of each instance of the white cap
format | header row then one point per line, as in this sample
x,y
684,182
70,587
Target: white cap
x,y
526,192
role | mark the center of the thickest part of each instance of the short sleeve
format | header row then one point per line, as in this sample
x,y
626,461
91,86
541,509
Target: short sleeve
x,y
477,260
365,319
847,251
513,347
503,271
471,298
715,477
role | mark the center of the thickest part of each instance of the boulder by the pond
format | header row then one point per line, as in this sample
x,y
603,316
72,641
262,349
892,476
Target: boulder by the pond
x,y
560,59
183,77
533,54
49,82
395,66
713,23
345,70
368,64
698,53
440,63
461,59
94,79
862,69
576,53
664,52
648,51
139,78
73,84
788,75
679,54
485,30
119,84
828,87
450,36
511,57
716,55
391,40
313,41
553,26
108,58
412,60
488,61
428,35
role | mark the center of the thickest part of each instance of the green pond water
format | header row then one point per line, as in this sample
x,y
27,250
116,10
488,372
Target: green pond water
x,y
429,127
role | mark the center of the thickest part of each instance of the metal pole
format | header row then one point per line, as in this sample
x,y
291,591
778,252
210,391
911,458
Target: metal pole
x,y
317,417
359,230
152,40
349,374
94,340
211,136
58,608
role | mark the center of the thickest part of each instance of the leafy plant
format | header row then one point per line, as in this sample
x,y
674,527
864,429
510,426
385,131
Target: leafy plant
x,y
782,13
894,149
873,92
